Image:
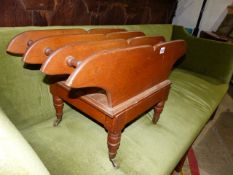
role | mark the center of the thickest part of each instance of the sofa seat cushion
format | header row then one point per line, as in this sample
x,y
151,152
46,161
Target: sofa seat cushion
x,y
16,155
78,145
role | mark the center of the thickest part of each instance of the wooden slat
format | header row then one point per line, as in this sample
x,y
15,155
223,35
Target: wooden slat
x,y
57,62
124,35
146,40
124,73
40,50
21,42
105,30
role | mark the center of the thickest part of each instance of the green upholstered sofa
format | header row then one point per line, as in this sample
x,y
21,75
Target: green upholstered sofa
x,y
29,144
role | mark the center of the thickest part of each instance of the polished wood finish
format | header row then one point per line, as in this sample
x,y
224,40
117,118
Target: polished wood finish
x,y
68,57
105,30
22,41
58,105
38,52
85,12
112,81
124,35
146,40
113,142
122,99
157,111
146,59
114,124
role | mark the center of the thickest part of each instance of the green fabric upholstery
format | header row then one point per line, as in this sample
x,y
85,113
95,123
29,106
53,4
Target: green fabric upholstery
x,y
78,145
207,57
16,155
24,98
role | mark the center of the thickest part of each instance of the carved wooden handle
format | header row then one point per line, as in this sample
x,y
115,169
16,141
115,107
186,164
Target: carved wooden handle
x,y
72,62
48,51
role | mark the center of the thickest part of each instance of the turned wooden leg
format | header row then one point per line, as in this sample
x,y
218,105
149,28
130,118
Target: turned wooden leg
x,y
58,104
157,111
113,145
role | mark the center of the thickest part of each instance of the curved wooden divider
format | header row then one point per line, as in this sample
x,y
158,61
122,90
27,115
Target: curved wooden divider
x,y
77,52
22,41
125,72
41,49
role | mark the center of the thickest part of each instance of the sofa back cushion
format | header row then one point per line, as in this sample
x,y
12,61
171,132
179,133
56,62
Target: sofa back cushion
x,y
206,57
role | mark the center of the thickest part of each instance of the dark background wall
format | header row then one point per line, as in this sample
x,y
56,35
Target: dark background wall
x,y
85,12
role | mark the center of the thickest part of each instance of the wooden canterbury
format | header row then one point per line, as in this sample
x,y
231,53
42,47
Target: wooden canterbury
x,y
114,75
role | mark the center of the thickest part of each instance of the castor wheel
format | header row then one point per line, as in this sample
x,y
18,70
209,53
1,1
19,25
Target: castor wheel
x,y
56,122
115,163
155,120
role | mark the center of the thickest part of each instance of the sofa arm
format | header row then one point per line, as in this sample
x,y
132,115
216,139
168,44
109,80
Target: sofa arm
x,y
16,155
206,57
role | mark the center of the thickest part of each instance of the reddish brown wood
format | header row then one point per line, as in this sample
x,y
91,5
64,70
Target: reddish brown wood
x,y
85,12
146,40
58,104
113,145
67,58
36,54
13,13
117,122
151,61
114,82
79,51
22,41
124,35
105,30
157,111
113,123
115,116
38,4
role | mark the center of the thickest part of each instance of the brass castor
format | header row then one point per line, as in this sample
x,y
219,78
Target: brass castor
x,y
155,119
115,163
56,122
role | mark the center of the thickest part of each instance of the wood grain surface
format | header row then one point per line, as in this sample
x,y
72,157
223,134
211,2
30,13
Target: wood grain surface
x,y
85,12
